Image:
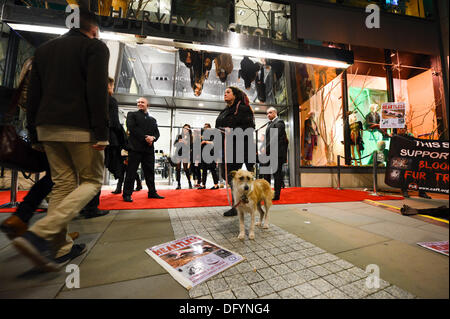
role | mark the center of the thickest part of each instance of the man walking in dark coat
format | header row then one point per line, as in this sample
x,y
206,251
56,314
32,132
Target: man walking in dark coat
x,y
275,123
143,135
68,115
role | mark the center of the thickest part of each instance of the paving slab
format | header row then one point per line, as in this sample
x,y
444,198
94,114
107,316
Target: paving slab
x,y
17,271
155,287
332,236
407,234
419,271
111,262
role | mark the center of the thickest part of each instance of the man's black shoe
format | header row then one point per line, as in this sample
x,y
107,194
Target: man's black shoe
x,y
127,198
95,213
230,212
155,196
37,249
117,191
276,197
138,188
77,250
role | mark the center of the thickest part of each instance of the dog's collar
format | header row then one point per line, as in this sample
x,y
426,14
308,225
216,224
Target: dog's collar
x,y
244,199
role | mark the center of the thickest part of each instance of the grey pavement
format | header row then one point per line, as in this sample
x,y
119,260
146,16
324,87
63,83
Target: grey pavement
x,y
314,251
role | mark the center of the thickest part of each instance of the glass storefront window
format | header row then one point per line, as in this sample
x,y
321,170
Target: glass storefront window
x,y
4,34
413,84
366,94
200,75
146,71
266,16
320,97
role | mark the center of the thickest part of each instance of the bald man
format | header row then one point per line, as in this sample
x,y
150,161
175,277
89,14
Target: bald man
x,y
143,135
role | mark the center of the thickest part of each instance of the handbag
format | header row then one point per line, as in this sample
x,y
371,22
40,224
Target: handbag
x,y
16,152
15,149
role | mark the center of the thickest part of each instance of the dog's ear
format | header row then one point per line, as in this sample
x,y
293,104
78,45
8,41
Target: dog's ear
x,y
232,173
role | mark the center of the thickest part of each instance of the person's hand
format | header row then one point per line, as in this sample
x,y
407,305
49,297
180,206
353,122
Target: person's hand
x,y
149,139
38,147
98,147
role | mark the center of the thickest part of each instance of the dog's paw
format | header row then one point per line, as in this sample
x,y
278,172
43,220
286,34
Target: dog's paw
x,y
258,224
266,226
251,236
241,236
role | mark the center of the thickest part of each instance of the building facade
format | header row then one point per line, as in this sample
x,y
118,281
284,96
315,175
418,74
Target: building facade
x,y
338,60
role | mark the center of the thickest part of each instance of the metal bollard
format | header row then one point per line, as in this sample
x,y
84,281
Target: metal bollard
x,y
14,189
339,172
375,175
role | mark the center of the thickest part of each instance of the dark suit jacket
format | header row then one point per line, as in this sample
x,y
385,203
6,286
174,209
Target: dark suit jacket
x,y
69,85
139,125
282,139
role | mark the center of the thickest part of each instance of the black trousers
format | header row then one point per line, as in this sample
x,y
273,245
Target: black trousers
x,y
31,201
121,179
186,171
212,167
92,206
278,178
147,161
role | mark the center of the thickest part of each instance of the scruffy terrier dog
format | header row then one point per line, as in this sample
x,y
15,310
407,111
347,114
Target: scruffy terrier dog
x,y
248,193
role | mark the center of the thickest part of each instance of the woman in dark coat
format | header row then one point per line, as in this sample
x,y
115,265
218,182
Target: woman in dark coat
x,y
186,138
237,114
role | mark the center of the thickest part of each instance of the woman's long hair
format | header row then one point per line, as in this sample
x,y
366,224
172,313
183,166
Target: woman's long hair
x,y
240,98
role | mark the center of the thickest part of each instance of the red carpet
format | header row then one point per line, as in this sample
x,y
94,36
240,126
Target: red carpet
x,y
203,198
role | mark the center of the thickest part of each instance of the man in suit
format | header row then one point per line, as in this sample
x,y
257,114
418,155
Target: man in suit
x,y
143,135
276,123
67,116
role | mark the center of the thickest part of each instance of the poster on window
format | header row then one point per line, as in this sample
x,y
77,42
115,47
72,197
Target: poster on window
x,y
191,260
392,115
417,164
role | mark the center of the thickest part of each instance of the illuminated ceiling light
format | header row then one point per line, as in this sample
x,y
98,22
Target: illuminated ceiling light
x,y
61,30
201,104
38,28
274,56
233,49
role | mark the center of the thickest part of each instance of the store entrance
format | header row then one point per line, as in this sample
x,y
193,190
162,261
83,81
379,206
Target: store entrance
x,y
170,123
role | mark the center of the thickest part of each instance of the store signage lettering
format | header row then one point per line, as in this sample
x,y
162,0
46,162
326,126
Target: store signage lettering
x,y
151,17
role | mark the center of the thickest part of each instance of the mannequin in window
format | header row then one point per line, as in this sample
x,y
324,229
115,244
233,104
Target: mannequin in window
x,y
310,139
356,134
373,120
224,66
248,71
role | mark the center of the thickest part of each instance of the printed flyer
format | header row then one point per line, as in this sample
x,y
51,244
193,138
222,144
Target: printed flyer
x,y
192,260
438,246
393,115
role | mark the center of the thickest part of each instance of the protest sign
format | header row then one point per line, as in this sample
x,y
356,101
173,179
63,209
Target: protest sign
x,y
418,164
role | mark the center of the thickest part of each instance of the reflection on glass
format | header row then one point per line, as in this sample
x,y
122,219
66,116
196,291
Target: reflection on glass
x,y
158,71
208,74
